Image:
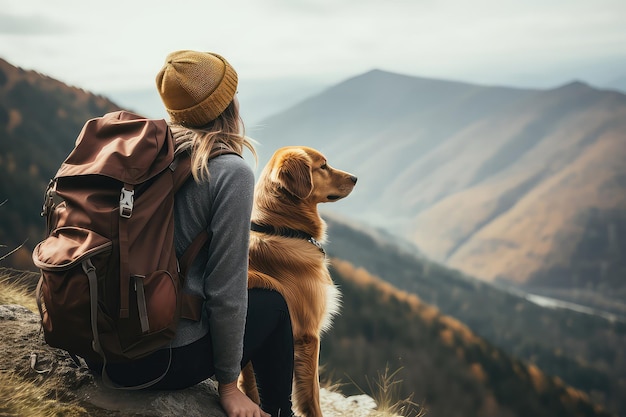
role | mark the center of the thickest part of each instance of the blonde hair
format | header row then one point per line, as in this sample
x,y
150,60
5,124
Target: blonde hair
x,y
225,133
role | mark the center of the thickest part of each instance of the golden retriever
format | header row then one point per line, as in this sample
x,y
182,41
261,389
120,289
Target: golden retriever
x,y
286,255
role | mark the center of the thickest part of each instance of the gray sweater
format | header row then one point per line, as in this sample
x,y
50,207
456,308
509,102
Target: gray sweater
x,y
219,273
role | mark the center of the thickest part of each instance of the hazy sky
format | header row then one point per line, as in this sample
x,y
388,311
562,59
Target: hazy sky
x,y
108,46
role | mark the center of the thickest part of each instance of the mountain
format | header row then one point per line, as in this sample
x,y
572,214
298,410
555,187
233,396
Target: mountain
x,y
40,119
584,350
524,187
440,363
618,84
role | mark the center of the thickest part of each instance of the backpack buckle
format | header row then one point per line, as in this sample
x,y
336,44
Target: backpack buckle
x,y
126,203
49,198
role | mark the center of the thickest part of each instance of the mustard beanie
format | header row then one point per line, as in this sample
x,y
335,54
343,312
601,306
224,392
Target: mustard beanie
x,y
196,87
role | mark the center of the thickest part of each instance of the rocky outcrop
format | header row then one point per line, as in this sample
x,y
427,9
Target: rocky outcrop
x,y
24,353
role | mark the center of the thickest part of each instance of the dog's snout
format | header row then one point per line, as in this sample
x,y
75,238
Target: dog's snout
x,y
353,178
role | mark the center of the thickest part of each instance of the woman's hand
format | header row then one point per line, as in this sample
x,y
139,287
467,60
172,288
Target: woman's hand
x,y
236,403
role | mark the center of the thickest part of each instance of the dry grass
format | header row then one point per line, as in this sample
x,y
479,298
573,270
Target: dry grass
x,y
13,290
23,397
385,392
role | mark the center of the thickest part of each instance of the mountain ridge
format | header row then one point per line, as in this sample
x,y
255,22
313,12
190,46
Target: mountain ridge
x,y
465,172
40,119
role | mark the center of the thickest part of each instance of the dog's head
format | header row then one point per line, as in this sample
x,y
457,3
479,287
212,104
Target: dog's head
x,y
305,174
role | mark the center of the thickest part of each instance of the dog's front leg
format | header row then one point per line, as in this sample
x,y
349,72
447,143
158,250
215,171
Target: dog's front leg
x,y
306,372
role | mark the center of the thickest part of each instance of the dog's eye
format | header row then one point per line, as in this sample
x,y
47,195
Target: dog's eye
x,y
324,166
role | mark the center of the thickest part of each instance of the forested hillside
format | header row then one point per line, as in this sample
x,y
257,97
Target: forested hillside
x,y
442,364
40,119
586,351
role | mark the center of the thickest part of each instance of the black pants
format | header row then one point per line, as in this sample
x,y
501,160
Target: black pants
x,y
268,343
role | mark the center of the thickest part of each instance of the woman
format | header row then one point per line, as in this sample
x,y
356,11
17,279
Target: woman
x,y
198,90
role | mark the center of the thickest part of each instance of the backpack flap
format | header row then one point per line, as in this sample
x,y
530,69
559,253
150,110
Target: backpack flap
x,y
123,146
67,246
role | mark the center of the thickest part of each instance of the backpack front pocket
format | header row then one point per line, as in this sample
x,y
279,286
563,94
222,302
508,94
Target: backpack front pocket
x,y
63,293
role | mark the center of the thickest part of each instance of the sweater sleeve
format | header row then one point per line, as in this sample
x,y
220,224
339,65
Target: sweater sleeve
x,y
226,274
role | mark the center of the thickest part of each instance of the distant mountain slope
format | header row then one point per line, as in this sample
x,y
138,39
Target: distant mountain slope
x,y
504,184
585,351
444,365
39,121
618,84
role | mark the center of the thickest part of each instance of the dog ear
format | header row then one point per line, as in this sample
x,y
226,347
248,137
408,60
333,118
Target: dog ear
x,y
294,173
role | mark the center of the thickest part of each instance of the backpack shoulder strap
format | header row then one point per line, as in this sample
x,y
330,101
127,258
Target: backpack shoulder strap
x,y
191,304
181,170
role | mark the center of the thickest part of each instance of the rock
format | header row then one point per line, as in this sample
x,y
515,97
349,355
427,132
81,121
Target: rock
x,y
15,312
199,400
24,352
335,404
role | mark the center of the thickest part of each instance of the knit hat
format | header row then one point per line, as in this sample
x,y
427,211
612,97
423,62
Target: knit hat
x,y
196,87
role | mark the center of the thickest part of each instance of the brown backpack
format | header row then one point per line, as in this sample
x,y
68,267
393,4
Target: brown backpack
x,y
111,286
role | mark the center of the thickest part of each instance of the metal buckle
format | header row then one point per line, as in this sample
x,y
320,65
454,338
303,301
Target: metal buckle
x,y
48,202
126,203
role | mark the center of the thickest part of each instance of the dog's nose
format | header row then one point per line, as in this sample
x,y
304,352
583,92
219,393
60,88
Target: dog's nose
x,y
353,178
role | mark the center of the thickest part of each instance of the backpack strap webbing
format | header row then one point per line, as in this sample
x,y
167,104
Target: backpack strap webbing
x,y
191,304
124,262
181,170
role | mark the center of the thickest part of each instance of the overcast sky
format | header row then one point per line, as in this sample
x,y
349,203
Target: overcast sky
x,y
109,46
